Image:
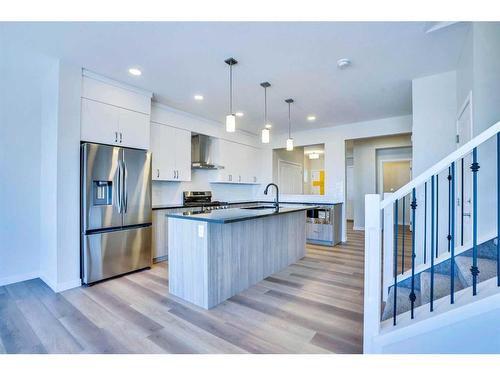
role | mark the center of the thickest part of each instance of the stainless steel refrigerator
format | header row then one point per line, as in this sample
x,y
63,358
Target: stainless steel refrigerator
x,y
115,211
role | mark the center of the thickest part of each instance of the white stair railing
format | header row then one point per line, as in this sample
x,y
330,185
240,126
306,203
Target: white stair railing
x,y
383,266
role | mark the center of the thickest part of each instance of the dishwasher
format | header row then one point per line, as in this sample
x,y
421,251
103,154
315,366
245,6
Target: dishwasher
x,y
324,225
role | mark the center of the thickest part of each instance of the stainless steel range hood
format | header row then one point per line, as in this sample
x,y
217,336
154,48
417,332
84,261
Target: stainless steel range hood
x,y
202,152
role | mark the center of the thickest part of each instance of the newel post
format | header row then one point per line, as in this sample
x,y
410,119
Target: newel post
x,y
373,270
388,247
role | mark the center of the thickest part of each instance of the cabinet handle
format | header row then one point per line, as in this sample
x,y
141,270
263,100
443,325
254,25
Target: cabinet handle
x,y
239,178
116,136
230,177
158,173
120,137
174,174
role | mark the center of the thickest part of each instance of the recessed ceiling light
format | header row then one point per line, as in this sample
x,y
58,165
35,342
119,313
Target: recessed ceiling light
x,y
343,63
311,118
198,97
239,114
135,71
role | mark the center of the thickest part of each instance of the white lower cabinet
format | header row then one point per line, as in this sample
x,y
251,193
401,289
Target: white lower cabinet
x,y
108,124
160,232
171,149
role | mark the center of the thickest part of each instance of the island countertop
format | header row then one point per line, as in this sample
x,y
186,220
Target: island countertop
x,y
232,215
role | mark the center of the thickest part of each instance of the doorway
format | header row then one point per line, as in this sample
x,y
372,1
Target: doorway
x,y
395,174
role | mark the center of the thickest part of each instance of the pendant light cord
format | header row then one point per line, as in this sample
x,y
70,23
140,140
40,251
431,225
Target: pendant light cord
x,y
230,89
265,106
289,123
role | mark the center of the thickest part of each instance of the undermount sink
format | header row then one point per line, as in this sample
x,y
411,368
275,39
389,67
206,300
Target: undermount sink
x,y
258,207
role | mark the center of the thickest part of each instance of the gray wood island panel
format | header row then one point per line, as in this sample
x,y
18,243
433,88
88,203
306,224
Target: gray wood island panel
x,y
211,261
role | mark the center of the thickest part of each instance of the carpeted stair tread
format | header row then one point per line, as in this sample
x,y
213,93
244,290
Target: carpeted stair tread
x,y
441,286
402,301
487,269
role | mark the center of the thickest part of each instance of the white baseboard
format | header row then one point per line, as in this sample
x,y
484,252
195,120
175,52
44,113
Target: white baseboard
x,y
18,278
52,284
61,287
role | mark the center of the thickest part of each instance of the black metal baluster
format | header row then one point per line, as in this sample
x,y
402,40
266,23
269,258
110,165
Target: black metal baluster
x,y
396,225
412,294
452,230
403,238
425,222
498,209
437,216
432,245
474,270
462,202
449,208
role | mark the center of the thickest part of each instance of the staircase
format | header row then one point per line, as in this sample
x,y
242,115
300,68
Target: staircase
x,y
487,264
454,250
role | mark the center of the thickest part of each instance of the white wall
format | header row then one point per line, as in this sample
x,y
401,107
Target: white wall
x,y
21,114
486,112
365,170
334,139
434,113
167,192
60,178
39,167
434,129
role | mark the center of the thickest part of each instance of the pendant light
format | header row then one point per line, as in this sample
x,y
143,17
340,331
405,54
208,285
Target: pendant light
x,y
231,117
289,141
265,131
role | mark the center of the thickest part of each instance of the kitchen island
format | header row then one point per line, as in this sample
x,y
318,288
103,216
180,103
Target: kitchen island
x,y
213,256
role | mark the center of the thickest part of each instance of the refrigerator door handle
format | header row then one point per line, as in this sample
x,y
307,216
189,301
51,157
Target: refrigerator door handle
x,y
125,193
119,188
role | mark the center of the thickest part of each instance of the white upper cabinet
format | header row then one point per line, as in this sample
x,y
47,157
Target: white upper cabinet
x,y
113,114
171,149
240,162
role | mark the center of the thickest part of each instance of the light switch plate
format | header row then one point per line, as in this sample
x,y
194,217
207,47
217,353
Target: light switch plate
x,y
201,231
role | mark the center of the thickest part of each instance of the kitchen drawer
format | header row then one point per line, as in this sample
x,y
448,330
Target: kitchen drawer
x,y
319,232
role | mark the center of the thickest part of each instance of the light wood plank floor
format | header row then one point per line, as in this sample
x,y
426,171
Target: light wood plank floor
x,y
313,306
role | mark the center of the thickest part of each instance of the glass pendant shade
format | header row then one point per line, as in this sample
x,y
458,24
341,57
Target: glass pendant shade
x,y
230,123
289,144
265,135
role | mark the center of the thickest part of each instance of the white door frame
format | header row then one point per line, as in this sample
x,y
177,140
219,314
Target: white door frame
x,y
467,102
459,204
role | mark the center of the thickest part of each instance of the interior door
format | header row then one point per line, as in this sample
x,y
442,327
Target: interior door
x,y
464,177
100,187
137,207
290,177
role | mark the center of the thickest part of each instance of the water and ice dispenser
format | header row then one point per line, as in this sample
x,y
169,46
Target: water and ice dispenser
x,y
103,193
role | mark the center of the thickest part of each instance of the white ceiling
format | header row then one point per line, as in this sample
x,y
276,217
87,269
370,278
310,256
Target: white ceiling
x,y
180,59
